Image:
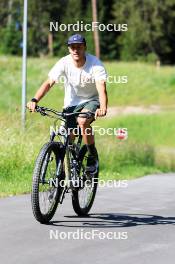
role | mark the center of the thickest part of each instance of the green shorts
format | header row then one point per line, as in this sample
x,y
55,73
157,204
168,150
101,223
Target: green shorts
x,y
90,105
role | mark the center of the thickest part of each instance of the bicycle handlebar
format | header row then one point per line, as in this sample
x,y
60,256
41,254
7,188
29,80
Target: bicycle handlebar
x,y
42,110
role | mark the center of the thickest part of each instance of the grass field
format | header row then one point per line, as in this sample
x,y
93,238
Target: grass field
x,y
149,147
146,85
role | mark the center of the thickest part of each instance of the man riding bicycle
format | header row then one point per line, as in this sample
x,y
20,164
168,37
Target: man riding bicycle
x,y
85,90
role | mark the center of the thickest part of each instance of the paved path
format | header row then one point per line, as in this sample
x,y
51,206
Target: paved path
x,y
139,218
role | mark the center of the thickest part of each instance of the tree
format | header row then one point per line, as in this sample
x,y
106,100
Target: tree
x,y
150,29
96,32
108,45
10,31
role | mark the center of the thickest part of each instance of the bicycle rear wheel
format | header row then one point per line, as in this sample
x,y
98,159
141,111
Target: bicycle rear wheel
x,y
46,190
83,198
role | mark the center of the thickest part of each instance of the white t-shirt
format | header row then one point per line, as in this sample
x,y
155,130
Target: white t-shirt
x,y
79,83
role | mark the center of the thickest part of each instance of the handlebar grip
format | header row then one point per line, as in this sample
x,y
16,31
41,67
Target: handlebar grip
x,y
37,107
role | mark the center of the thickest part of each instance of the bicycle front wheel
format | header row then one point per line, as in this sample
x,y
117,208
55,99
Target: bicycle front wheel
x,y
83,198
46,190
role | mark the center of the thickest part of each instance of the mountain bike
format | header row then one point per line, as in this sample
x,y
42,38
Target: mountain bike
x,y
60,168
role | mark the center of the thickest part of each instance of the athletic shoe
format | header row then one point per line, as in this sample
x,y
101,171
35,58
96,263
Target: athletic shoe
x,y
92,165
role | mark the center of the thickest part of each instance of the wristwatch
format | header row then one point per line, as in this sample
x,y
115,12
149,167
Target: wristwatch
x,y
34,100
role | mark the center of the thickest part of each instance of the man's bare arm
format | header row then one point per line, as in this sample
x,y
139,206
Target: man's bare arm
x,y
45,87
103,98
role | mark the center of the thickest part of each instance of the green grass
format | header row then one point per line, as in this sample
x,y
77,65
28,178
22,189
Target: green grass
x,y
150,145
146,84
148,149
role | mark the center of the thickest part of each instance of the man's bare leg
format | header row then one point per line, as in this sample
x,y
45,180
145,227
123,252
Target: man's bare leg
x,y
88,139
86,129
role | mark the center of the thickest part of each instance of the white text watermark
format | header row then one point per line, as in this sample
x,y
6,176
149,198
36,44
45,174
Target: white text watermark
x,y
81,183
81,234
85,80
120,133
80,26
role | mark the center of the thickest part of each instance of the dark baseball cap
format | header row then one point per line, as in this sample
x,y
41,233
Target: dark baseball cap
x,y
77,38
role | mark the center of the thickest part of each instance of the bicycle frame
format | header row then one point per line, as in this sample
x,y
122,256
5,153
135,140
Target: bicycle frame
x,y
68,145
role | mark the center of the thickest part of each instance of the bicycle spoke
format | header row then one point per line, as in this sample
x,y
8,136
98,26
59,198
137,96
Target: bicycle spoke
x,y
46,192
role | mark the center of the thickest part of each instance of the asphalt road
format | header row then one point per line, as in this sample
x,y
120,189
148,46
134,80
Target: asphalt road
x,y
131,224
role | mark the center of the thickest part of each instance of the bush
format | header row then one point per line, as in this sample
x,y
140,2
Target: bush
x,y
11,40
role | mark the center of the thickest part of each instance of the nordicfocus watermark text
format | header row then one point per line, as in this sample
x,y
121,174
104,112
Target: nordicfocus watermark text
x,y
80,234
89,79
80,26
81,183
120,133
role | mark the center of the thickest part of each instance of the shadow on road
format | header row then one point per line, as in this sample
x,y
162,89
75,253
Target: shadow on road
x,y
114,220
